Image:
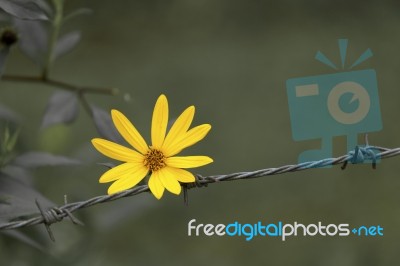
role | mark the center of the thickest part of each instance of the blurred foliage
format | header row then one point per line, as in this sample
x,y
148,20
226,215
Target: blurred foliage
x,y
231,60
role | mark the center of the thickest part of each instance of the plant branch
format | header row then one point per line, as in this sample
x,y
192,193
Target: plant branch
x,y
59,84
86,105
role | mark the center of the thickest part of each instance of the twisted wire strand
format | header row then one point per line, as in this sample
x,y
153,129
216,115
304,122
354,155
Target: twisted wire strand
x,y
57,214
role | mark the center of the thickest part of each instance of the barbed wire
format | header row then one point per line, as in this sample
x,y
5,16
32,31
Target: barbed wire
x,y
360,154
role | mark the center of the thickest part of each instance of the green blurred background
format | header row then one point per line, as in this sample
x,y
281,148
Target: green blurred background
x,y
231,60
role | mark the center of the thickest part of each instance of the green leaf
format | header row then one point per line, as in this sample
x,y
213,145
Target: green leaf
x,y
77,12
10,144
23,9
3,142
38,159
66,43
62,107
6,136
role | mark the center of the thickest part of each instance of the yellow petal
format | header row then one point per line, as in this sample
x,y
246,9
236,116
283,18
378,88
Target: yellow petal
x,y
155,185
159,122
169,181
179,128
134,170
188,161
191,137
180,174
116,151
127,182
128,131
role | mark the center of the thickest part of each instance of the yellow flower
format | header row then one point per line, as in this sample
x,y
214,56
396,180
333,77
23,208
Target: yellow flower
x,y
158,159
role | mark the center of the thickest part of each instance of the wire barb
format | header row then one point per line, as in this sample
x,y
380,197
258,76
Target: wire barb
x,y
47,220
56,214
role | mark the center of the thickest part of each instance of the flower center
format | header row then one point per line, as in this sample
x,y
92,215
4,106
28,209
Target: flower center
x,y
154,160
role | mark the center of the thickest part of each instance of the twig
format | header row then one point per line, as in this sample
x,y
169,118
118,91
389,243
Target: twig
x,y
59,84
57,214
86,105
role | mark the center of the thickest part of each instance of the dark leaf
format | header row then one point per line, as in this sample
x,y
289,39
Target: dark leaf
x,y
66,43
63,107
32,39
19,173
78,12
23,9
18,199
108,165
112,218
104,125
3,56
4,16
37,159
18,235
44,5
7,114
